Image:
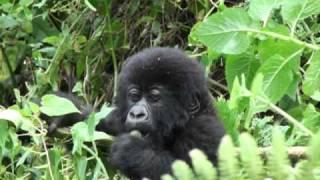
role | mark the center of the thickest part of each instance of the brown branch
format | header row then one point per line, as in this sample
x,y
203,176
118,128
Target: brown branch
x,y
294,152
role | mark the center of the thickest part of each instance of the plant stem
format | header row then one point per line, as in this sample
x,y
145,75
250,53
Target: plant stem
x,y
6,60
97,158
286,38
286,116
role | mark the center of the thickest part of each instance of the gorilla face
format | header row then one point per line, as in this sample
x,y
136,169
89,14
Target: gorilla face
x,y
150,108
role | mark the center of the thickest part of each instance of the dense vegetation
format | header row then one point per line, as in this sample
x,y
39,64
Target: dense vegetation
x,y
262,59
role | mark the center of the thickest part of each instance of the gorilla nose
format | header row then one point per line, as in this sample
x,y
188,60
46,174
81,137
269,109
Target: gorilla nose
x,y
138,113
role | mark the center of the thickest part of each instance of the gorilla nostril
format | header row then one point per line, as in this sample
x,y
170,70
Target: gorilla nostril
x,y
132,114
141,115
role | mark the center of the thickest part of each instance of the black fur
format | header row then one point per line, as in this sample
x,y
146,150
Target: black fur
x,y
184,118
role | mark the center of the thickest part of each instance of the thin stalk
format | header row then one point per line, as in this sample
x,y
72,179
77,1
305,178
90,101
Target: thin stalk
x,y
6,60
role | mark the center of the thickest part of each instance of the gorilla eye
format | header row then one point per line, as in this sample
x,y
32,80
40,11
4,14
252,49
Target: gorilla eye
x,y
134,94
155,95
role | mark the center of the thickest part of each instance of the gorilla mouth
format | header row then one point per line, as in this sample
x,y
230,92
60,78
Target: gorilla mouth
x,y
139,134
142,129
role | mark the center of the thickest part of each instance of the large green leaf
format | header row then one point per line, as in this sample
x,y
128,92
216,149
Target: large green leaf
x,y
278,74
311,81
270,47
294,10
262,9
245,64
311,118
53,105
17,119
226,31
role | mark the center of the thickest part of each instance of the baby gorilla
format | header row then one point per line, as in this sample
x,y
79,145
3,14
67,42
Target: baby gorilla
x,y
162,94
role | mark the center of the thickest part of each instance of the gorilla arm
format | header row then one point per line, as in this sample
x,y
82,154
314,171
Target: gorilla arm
x,y
112,124
137,158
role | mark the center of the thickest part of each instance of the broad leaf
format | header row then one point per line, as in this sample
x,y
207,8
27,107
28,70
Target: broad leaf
x,y
226,31
262,9
80,133
53,105
311,81
278,74
17,119
294,10
270,47
236,65
311,118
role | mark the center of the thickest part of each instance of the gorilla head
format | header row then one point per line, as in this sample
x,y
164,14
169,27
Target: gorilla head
x,y
161,89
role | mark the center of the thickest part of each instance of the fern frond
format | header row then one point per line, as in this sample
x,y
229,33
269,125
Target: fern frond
x,y
228,161
278,162
250,158
203,168
182,171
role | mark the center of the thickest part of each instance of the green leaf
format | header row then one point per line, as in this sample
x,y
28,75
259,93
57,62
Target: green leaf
x,y
311,81
262,9
313,150
236,65
278,74
255,104
294,10
250,157
271,47
7,22
55,161
226,31
4,132
228,117
53,105
80,166
17,119
311,118
80,133
104,111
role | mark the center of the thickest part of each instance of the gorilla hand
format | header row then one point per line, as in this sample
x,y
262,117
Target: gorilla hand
x,y
135,157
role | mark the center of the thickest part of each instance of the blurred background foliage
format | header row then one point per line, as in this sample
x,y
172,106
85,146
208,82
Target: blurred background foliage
x,y
79,46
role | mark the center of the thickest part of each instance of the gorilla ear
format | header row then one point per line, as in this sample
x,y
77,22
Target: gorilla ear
x,y
194,105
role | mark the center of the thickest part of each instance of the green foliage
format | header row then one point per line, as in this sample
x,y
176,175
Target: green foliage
x,y
246,162
53,105
270,54
225,32
269,51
